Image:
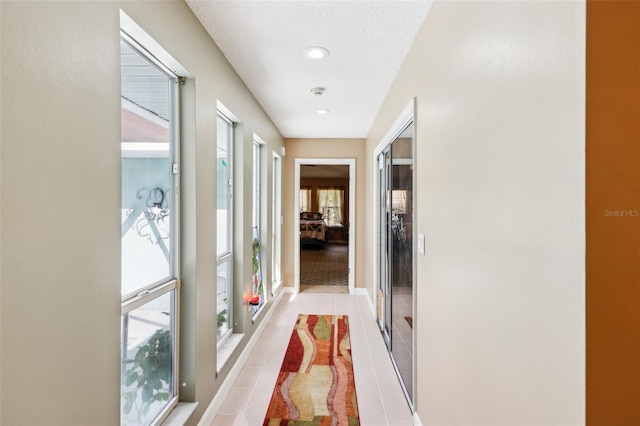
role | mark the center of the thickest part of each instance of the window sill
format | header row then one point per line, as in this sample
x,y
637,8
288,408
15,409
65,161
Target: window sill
x,y
180,414
225,351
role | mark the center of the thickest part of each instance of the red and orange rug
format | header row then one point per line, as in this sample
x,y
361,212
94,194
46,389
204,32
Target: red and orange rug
x,y
315,385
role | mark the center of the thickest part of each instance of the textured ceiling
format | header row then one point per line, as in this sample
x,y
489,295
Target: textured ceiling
x,y
264,41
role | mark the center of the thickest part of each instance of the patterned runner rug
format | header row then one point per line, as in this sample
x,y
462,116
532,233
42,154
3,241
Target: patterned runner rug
x,y
315,385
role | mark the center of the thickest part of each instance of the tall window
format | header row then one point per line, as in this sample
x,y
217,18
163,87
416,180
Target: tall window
x,y
257,284
330,203
224,196
149,280
257,207
305,199
276,227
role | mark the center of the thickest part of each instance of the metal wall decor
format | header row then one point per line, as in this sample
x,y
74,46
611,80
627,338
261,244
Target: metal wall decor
x,y
154,224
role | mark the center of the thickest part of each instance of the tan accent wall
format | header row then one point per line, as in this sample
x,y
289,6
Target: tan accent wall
x,y
321,148
613,213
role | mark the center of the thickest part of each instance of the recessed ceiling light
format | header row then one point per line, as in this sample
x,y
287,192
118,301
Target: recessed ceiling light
x,y
322,111
316,52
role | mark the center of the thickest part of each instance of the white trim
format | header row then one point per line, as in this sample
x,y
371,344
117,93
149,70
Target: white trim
x,y
222,113
159,54
289,290
278,293
180,414
406,116
401,122
215,404
276,221
226,347
351,162
402,161
416,419
226,112
363,292
414,251
259,140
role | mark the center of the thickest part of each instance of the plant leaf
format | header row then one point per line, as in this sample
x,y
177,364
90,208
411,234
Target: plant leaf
x,y
129,398
156,384
131,378
147,392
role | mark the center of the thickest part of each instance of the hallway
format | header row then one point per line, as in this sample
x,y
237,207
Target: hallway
x,y
380,398
524,228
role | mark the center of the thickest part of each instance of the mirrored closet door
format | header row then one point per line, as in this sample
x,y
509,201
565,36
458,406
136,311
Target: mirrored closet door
x,y
395,245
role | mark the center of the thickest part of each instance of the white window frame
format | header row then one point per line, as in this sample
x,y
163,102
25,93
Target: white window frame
x,y
227,256
257,222
171,283
257,178
276,223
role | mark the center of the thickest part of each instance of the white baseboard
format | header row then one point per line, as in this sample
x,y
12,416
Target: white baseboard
x,y
416,419
215,404
288,290
363,292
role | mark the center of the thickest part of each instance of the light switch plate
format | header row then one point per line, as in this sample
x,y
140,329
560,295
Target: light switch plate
x,y
421,243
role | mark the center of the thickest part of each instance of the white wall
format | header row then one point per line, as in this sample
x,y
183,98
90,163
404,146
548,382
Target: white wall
x,y
500,196
60,163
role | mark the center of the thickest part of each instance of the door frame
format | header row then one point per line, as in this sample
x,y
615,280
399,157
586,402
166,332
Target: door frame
x,y
351,162
407,116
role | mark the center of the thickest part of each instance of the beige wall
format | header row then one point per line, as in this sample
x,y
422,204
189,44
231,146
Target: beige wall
x,y
500,197
60,214
320,148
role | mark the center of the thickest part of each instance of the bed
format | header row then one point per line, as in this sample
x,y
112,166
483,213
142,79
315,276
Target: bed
x,y
313,230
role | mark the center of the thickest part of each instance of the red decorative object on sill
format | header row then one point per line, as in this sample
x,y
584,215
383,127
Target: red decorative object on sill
x,y
254,299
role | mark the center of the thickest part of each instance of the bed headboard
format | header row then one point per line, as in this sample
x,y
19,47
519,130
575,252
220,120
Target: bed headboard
x,y
311,216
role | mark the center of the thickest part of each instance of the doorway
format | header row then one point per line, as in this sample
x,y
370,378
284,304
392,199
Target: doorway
x,y
324,225
395,266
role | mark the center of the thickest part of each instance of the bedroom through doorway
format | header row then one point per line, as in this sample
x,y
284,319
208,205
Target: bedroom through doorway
x,y
324,224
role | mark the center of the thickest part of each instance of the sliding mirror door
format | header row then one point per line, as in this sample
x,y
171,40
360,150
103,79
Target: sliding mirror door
x,y
402,257
395,230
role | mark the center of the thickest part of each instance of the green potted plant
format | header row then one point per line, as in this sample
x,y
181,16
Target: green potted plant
x,y
222,318
149,372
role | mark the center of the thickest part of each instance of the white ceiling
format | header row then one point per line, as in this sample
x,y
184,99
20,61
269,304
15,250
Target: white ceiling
x,y
264,42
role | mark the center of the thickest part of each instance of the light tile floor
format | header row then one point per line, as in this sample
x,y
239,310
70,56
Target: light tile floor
x,y
380,397
402,334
